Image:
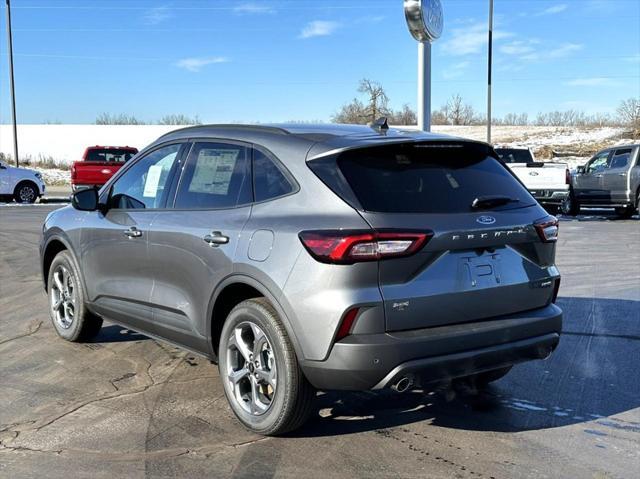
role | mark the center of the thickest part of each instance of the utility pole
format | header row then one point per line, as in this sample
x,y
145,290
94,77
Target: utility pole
x,y
490,60
12,85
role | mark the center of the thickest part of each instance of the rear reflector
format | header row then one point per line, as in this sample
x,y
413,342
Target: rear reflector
x,y
346,324
547,229
348,247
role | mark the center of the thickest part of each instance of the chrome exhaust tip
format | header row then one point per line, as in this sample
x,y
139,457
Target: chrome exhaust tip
x,y
402,384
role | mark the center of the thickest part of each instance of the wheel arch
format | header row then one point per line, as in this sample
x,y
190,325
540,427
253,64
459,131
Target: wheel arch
x,y
53,246
232,291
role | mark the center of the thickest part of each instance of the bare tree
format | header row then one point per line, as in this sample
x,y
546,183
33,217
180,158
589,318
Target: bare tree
x,y
120,119
514,119
179,119
405,116
378,99
629,113
354,112
375,106
439,117
457,112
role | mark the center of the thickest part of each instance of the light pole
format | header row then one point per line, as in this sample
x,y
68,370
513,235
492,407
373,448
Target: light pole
x,y
490,60
425,22
11,85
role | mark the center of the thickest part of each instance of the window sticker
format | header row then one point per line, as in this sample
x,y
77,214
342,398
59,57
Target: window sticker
x,y
213,171
152,181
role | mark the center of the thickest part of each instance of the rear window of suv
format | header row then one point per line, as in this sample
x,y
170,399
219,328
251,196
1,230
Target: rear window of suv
x,y
424,178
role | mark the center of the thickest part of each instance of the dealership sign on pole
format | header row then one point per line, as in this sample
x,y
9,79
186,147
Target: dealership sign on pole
x,y
425,22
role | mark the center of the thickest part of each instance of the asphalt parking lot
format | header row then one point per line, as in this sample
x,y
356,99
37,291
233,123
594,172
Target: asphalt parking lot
x,y
128,406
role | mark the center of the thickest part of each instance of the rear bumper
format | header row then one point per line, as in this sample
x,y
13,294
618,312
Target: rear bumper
x,y
79,187
550,196
376,361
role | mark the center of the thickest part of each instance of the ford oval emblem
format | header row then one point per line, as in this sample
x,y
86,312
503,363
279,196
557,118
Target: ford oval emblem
x,y
486,220
533,173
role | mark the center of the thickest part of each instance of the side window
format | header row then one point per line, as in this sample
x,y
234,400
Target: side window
x,y
143,185
268,179
599,163
620,158
217,175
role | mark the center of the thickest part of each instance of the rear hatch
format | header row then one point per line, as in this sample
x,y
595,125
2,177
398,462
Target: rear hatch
x,y
484,258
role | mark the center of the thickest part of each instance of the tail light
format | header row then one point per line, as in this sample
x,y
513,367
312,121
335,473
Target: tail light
x,y
567,176
73,172
347,322
547,229
348,247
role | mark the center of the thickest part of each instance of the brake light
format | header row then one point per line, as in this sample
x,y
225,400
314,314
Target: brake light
x,y
348,247
73,172
567,176
347,322
547,229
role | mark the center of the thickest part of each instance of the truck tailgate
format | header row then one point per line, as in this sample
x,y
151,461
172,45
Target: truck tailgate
x,y
541,175
93,172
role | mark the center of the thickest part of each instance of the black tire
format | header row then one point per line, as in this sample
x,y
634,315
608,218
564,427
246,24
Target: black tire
x,y
81,325
626,213
552,209
570,205
292,400
26,192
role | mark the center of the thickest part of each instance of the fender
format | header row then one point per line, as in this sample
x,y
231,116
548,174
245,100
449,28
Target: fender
x,y
249,281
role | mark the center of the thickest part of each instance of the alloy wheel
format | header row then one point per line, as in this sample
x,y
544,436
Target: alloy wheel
x,y
26,194
63,297
251,368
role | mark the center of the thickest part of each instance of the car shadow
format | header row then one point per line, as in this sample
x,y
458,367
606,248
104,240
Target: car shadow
x,y
118,334
592,376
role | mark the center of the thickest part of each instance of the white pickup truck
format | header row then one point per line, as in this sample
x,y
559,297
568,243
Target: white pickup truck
x,y
548,182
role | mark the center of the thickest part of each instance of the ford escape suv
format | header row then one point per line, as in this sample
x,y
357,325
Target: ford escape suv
x,y
302,258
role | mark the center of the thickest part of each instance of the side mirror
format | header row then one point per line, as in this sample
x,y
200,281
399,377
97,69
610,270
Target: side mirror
x,y
581,169
85,200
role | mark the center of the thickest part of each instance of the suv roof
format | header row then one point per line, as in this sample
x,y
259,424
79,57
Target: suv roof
x,y
315,139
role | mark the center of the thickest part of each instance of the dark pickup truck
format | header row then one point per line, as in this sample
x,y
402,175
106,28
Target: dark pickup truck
x,y
98,164
611,179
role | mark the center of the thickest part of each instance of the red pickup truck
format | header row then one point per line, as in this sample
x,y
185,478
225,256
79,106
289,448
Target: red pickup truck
x,y
98,164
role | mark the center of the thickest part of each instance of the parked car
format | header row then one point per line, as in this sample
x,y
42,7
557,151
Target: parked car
x,y
610,179
98,164
548,182
303,258
21,184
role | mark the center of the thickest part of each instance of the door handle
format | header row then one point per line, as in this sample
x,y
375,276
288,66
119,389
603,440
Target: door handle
x,y
598,176
622,174
133,232
216,238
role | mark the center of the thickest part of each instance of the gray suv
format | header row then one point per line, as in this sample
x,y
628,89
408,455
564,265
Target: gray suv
x,y
302,258
610,179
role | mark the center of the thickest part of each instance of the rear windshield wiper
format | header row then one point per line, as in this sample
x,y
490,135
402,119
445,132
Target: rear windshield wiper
x,y
488,202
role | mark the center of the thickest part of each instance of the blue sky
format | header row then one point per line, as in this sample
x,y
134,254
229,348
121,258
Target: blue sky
x,y
268,61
